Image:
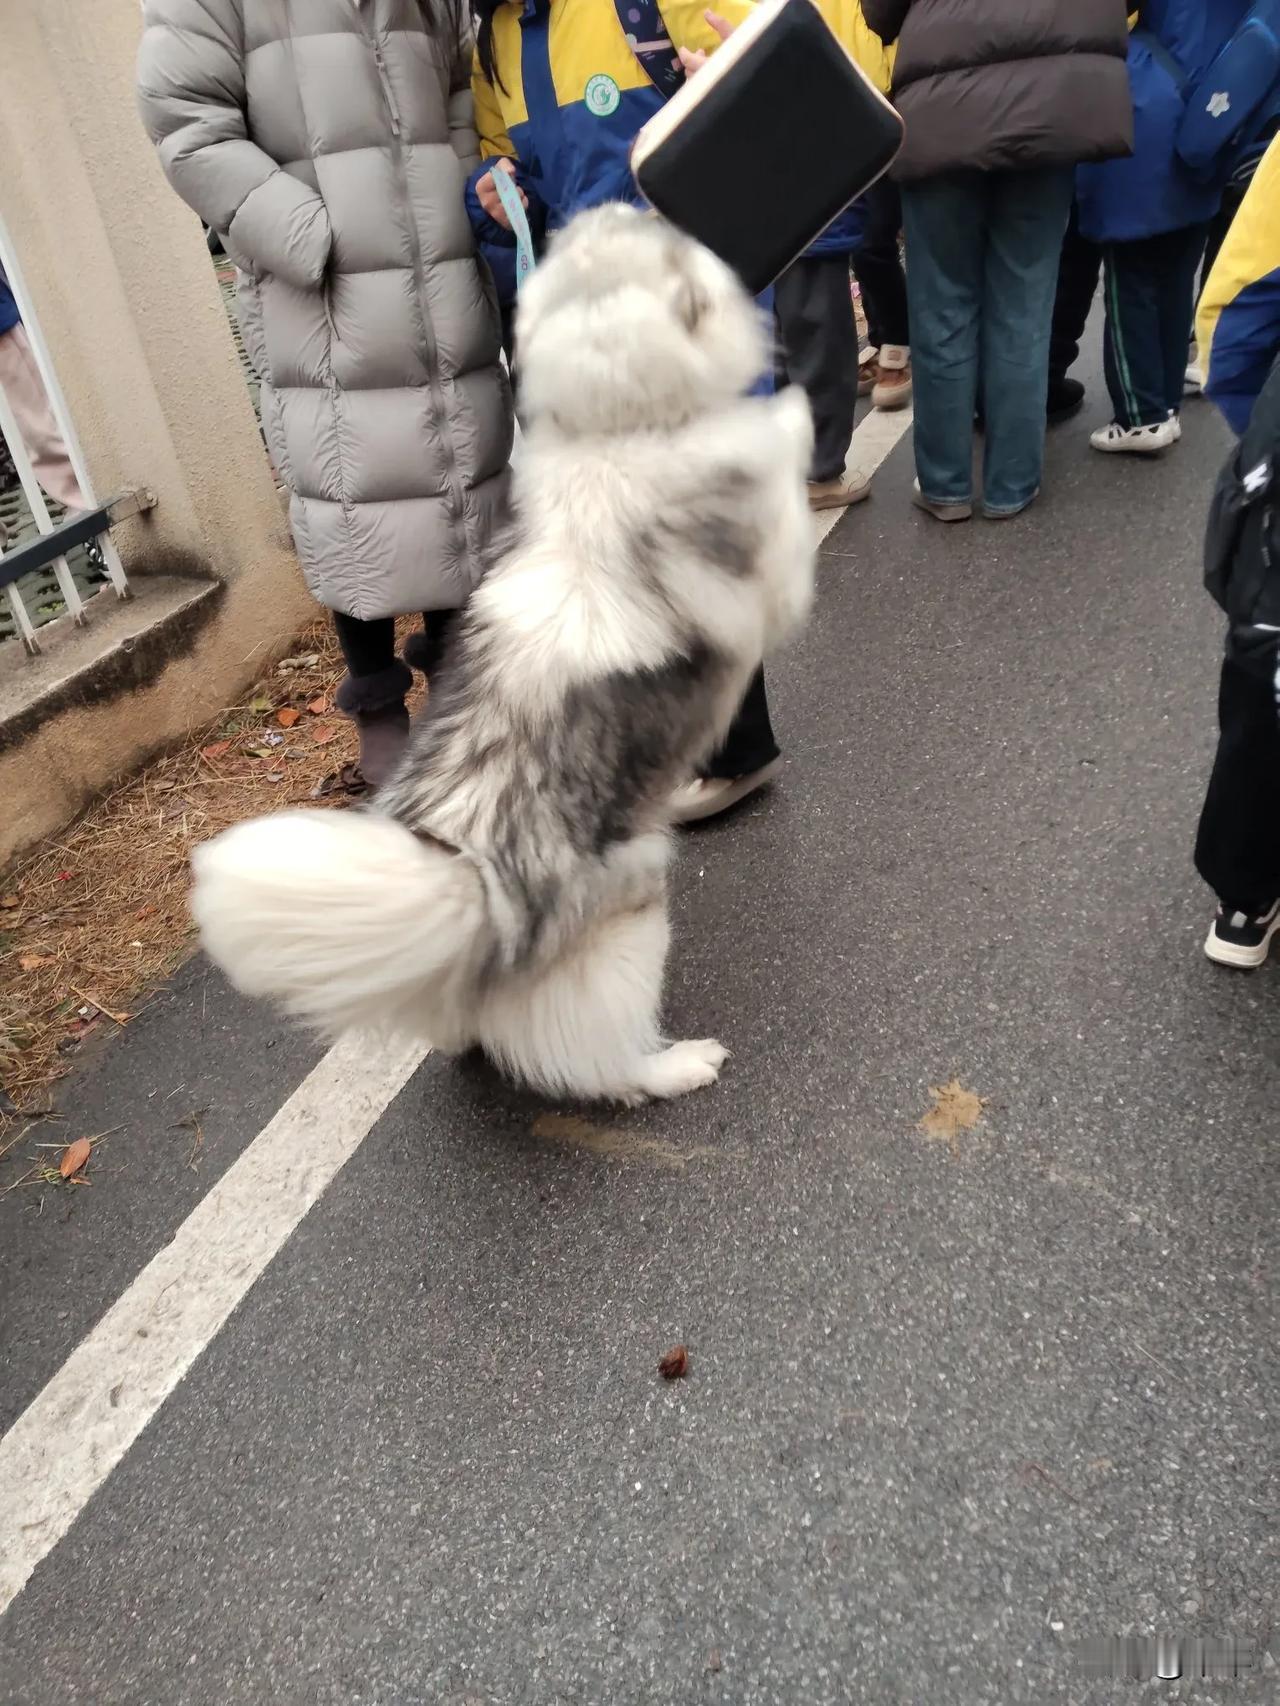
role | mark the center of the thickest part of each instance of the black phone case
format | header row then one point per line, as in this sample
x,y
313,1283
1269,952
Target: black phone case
x,y
780,146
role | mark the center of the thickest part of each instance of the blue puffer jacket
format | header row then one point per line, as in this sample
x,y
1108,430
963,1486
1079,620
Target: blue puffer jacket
x,y
843,235
9,315
1151,192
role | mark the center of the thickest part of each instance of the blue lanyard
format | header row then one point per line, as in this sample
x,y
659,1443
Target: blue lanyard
x,y
513,207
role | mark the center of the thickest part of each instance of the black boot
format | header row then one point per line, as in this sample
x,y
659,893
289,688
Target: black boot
x,y
375,704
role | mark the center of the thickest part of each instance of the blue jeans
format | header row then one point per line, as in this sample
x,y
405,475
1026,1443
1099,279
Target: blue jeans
x,y
982,269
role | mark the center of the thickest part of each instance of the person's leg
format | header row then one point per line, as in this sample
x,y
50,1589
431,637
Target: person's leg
x,y
24,389
945,221
1184,251
1079,267
749,744
877,266
1238,841
372,693
1027,215
425,651
820,352
1133,346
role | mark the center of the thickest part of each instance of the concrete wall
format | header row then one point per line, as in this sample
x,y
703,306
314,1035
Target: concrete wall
x,y
123,286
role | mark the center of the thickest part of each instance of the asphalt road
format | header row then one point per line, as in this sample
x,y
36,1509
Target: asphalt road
x,y
953,1406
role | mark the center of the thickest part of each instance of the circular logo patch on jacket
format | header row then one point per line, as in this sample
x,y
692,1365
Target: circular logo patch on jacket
x,y
602,95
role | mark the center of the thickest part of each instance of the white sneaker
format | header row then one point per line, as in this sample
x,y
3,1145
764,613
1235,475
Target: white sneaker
x,y
1176,419
1193,383
1137,441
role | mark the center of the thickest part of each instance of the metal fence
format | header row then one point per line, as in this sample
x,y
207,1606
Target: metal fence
x,y
52,562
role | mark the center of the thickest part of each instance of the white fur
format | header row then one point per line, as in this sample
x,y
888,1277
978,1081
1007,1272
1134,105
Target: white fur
x,y
540,939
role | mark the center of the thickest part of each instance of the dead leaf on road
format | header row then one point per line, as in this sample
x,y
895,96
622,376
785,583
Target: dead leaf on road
x,y
219,749
74,1157
9,901
287,717
954,1110
318,707
322,735
33,962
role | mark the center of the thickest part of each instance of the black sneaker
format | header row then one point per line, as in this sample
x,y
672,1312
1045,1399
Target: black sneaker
x,y
1066,398
1235,939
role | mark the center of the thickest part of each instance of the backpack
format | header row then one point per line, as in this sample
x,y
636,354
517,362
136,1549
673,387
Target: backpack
x,y
1226,99
1242,538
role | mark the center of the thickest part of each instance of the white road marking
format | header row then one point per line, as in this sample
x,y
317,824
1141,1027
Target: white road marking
x,y
72,1435
876,434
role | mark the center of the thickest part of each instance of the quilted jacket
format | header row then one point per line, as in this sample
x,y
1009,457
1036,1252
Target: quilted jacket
x,y
329,143
1004,85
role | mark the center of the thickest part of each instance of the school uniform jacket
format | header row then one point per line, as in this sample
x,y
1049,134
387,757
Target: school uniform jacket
x,y
1238,325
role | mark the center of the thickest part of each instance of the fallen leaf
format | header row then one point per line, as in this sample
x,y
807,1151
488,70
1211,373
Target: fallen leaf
x,y
275,775
74,1157
33,962
318,707
219,749
675,1365
954,1110
287,717
322,734
9,901
261,703
257,752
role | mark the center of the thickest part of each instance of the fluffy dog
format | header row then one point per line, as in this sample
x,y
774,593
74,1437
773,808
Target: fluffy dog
x,y
509,888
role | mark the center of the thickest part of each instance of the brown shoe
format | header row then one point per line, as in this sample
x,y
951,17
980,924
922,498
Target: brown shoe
x,y
850,488
868,371
892,389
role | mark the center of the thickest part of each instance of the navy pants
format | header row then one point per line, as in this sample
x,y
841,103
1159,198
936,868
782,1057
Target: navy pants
x,y
1150,287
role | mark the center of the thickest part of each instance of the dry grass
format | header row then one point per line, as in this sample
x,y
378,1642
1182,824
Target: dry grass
x,y
95,919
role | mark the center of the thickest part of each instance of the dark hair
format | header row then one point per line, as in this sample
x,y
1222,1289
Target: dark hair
x,y
484,13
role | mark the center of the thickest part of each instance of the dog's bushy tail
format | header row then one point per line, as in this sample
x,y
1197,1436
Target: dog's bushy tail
x,y
342,918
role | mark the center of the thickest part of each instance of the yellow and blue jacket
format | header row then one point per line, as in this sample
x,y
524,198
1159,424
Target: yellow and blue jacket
x,y
1238,323
568,97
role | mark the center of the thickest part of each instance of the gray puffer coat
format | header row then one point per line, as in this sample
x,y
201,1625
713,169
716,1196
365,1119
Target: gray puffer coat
x,y
328,142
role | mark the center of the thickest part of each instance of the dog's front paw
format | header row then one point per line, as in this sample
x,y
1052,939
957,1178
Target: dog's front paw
x,y
684,1067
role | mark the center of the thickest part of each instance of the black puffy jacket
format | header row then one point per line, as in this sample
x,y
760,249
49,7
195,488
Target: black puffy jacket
x,y
1005,85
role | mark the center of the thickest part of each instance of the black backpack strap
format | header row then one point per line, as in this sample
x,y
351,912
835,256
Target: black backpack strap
x,y
647,37
1241,565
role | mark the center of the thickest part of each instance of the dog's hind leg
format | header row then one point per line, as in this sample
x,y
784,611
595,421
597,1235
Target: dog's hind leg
x,y
588,1026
